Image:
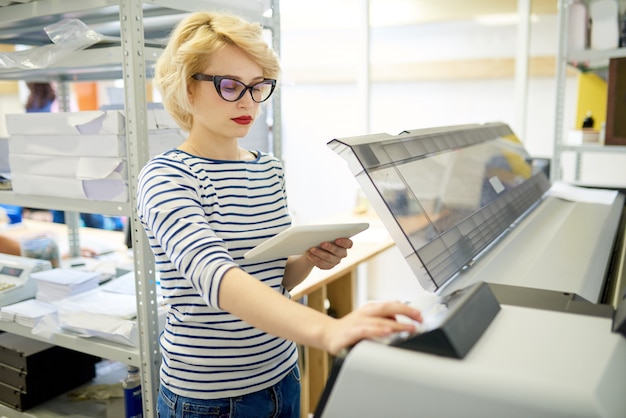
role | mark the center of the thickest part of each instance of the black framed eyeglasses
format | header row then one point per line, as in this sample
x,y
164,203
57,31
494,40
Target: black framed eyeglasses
x,y
232,90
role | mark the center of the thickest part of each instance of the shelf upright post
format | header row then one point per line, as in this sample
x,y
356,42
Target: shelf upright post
x,y
277,128
135,108
72,219
561,73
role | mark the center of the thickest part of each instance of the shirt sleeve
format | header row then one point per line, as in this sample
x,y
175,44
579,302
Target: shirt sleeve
x,y
170,208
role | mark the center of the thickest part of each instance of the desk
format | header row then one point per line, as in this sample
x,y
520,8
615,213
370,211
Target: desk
x,y
109,247
100,240
333,292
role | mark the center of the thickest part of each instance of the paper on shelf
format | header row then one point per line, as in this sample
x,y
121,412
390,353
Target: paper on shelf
x,y
57,144
83,123
27,313
63,277
98,301
109,145
113,188
83,168
89,122
125,284
111,328
60,283
103,314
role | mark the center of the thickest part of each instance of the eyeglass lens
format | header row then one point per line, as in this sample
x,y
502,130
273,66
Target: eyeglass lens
x,y
233,90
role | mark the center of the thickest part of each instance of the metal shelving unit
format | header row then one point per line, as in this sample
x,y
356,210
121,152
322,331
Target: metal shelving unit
x,y
139,26
95,347
587,60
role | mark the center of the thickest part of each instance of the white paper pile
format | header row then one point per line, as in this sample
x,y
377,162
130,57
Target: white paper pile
x,y
108,312
98,301
61,283
27,313
79,155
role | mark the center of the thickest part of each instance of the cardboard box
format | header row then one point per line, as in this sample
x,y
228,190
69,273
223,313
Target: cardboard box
x,y
66,123
108,145
113,188
92,122
88,178
79,155
81,168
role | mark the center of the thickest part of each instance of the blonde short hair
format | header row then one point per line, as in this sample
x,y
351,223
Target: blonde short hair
x,y
192,43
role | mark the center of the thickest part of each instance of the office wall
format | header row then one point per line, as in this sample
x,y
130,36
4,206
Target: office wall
x,y
421,76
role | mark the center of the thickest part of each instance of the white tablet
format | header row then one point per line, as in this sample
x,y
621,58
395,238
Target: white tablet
x,y
297,239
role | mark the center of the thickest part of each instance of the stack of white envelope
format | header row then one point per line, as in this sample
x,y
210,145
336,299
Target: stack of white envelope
x,y
80,155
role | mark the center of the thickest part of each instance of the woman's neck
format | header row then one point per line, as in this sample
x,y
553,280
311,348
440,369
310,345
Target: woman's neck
x,y
216,153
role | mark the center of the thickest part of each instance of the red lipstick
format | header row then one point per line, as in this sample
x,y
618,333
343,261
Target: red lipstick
x,y
243,120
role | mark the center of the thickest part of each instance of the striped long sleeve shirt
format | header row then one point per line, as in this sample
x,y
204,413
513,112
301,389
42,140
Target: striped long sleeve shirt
x,y
200,217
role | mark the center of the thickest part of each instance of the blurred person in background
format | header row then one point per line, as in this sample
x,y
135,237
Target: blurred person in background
x,y
41,97
9,245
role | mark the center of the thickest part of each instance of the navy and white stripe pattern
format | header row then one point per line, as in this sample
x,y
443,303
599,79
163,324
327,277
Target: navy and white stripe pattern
x,y
201,216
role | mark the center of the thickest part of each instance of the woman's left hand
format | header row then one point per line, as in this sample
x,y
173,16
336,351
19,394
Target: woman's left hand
x,y
328,254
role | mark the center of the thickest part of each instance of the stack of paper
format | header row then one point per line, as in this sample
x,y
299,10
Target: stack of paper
x,y
106,315
27,313
61,283
108,312
79,155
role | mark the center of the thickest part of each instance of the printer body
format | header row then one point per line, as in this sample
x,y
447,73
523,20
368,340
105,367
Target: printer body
x,y
539,327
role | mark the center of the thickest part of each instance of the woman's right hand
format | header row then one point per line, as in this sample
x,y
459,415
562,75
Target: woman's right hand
x,y
373,320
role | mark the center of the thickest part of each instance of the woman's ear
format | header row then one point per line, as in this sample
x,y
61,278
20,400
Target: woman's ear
x,y
189,91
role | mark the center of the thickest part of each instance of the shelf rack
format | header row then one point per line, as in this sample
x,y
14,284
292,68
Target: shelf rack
x,y
584,60
140,26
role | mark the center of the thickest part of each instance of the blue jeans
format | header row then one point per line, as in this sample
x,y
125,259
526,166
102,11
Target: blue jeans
x,y
281,400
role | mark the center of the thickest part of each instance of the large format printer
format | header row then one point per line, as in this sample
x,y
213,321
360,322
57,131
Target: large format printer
x,y
532,284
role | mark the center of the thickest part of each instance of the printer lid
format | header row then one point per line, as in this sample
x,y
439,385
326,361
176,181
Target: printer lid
x,y
444,194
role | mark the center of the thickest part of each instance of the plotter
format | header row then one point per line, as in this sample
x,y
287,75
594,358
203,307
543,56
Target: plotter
x,y
531,283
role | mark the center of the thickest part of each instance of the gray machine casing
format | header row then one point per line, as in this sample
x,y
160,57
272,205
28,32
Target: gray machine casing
x,y
542,355
528,363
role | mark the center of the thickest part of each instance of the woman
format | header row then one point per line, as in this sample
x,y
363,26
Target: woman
x,y
229,344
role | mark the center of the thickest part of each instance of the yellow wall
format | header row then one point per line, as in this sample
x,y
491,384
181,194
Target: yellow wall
x,y
592,94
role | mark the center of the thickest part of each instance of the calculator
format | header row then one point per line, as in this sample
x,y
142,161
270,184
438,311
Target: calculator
x,y
15,282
